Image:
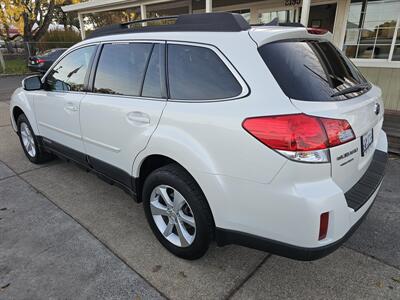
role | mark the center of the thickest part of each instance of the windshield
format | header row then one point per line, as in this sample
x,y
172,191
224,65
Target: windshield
x,y
313,70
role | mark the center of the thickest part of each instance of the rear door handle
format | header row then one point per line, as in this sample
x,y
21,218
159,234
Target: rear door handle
x,y
138,118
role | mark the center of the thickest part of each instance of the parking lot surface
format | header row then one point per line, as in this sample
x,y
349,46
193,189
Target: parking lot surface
x,y
66,234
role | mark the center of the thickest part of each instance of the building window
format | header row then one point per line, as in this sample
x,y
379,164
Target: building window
x,y
372,30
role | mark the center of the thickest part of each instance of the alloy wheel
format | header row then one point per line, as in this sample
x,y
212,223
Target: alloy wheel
x,y
173,216
27,139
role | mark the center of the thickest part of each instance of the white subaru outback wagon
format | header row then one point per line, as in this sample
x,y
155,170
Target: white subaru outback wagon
x,y
266,136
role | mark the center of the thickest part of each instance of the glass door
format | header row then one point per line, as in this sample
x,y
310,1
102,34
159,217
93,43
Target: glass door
x,y
265,16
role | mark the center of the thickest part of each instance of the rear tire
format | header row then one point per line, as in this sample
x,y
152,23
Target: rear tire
x,y
177,212
29,142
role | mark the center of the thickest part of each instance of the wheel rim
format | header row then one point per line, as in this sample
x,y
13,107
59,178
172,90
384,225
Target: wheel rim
x,y
173,216
27,140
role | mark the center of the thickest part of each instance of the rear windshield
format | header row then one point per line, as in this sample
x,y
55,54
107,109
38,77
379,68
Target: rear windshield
x,y
312,70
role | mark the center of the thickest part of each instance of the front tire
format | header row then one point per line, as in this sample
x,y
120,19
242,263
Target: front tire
x,y
29,142
177,212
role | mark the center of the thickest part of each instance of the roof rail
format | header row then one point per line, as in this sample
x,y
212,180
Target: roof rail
x,y
209,22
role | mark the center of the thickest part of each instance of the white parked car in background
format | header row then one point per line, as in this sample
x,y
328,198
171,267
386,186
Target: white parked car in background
x,y
267,136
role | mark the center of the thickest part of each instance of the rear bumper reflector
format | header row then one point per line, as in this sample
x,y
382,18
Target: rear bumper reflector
x,y
363,190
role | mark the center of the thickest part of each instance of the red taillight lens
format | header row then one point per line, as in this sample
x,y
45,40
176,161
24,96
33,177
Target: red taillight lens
x,y
299,132
338,131
40,61
323,225
288,132
316,30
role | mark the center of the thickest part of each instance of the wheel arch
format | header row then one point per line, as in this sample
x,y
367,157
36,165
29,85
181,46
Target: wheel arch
x,y
153,162
16,112
22,103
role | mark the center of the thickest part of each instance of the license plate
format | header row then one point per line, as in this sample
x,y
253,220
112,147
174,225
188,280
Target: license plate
x,y
366,141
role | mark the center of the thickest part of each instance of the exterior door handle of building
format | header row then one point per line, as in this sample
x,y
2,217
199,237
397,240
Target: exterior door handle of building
x,y
71,107
138,118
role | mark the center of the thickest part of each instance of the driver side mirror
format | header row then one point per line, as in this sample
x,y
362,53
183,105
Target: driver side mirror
x,y
32,83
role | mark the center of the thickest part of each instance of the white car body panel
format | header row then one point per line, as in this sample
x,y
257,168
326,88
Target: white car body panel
x,y
24,101
57,117
116,131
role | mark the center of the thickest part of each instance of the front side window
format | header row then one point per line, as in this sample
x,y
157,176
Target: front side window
x,y
197,73
371,28
69,74
121,68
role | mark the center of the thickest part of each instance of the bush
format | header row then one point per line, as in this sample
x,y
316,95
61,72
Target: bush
x,y
58,39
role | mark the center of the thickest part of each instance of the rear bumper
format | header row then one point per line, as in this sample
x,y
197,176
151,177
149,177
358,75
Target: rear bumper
x,y
362,195
354,207
226,237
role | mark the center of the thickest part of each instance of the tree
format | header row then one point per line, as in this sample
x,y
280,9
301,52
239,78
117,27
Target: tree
x,y
9,17
66,19
32,17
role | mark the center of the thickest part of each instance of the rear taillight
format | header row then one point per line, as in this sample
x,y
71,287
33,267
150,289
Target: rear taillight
x,y
316,31
338,131
300,137
40,61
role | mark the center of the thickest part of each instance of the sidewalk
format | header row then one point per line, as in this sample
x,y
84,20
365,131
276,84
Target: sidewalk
x,y
46,254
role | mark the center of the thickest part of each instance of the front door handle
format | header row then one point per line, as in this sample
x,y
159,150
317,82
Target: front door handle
x,y
138,118
71,107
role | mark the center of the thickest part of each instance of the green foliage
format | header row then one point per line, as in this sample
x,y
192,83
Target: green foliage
x,y
16,66
58,39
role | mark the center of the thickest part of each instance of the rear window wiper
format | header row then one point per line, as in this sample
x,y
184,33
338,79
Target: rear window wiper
x,y
352,89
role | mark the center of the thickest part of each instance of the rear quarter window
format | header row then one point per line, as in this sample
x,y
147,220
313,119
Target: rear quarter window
x,y
197,73
311,70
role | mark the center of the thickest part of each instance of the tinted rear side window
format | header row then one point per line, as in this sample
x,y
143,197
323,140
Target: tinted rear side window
x,y
121,68
311,70
197,73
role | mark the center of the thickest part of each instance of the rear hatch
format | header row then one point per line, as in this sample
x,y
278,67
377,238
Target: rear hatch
x,y
320,81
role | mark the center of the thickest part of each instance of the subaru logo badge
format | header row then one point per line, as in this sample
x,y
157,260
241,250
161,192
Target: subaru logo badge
x,y
377,108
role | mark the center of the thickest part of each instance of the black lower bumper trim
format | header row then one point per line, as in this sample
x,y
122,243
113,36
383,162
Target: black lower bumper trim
x,y
226,237
368,183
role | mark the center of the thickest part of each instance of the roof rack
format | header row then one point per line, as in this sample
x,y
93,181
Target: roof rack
x,y
209,22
